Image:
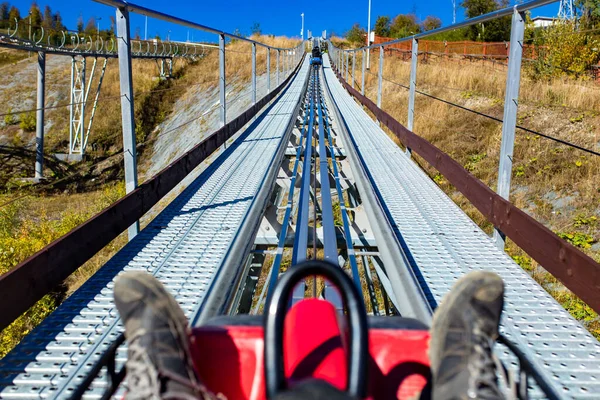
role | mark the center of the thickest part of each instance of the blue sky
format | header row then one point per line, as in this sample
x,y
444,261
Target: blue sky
x,y
279,17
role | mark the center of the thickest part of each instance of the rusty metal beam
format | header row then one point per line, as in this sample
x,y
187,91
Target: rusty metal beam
x,y
577,271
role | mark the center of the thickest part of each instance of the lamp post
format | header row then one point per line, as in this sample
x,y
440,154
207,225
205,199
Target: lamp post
x,y
146,29
302,29
369,37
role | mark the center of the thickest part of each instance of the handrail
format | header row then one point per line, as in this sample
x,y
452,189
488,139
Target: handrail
x,y
180,21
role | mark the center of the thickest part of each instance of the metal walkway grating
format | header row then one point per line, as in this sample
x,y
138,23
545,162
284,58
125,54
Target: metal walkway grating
x,y
444,244
183,247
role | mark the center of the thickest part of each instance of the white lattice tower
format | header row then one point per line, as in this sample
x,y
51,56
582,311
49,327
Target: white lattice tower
x,y
566,10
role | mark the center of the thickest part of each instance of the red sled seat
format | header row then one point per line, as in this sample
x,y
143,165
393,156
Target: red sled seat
x,y
229,353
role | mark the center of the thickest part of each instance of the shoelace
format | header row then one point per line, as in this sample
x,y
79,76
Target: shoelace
x,y
139,366
484,382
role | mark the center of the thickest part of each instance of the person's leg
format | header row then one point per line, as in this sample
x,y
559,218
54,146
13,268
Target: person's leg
x,y
158,361
463,332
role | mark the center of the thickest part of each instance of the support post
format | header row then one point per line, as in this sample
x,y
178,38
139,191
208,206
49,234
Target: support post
x,y
511,104
413,87
222,82
347,57
278,52
72,105
127,117
268,70
253,73
362,87
380,80
353,68
39,124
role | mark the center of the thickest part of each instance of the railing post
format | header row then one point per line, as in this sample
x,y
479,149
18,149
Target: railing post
x,y
347,69
362,87
253,73
127,117
278,52
222,82
413,87
511,104
72,106
268,70
353,68
39,124
380,83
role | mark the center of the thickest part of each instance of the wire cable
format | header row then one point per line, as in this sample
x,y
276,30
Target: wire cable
x,y
555,139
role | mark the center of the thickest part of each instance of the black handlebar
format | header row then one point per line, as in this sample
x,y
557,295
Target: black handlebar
x,y
357,317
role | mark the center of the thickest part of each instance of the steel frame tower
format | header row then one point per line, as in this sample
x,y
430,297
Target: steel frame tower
x,y
566,10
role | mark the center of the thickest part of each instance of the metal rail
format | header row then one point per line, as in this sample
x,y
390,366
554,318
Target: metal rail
x,y
301,236
138,9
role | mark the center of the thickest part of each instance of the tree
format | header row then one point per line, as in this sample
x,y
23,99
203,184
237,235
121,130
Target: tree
x,y
431,22
80,24
48,21
356,35
589,11
404,25
4,10
382,26
4,15
90,27
492,31
35,15
57,22
255,29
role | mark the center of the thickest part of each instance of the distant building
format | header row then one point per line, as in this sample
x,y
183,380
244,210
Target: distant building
x,y
543,22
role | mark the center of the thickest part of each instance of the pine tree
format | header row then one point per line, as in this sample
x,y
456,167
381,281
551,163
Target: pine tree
x,y
35,15
90,27
48,22
382,26
57,22
80,24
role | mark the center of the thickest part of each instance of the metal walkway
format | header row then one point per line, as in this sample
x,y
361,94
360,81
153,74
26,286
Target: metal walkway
x,y
184,247
443,243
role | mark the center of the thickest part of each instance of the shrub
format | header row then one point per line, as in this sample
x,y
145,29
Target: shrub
x,y
9,119
564,50
28,122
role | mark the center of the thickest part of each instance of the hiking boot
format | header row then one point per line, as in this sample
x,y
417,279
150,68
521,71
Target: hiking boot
x,y
158,362
463,333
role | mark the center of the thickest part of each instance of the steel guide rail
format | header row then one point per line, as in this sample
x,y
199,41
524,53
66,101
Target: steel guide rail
x,y
444,244
301,236
329,235
344,212
183,247
276,265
